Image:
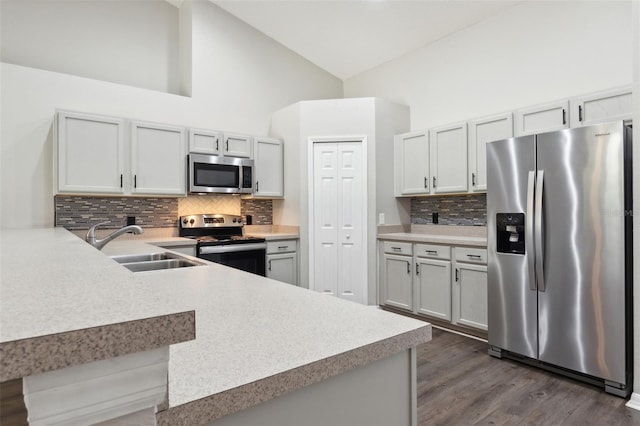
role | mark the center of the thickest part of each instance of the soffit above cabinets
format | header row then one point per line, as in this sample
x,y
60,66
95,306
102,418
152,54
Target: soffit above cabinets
x,y
347,38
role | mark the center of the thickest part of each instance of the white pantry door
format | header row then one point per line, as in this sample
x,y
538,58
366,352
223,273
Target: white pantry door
x,y
338,220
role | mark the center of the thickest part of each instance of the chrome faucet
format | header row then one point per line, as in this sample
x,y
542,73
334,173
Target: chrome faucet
x,y
99,244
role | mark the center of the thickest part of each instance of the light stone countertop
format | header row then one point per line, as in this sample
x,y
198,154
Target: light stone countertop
x,y
255,338
472,236
274,236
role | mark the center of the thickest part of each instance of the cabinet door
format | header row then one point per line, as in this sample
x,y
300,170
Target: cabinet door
x,y
158,159
89,153
397,285
433,282
283,267
482,131
236,145
412,163
449,158
542,118
470,296
269,170
610,105
205,141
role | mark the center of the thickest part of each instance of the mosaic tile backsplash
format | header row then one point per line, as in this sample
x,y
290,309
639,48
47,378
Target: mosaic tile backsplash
x,y
469,210
81,212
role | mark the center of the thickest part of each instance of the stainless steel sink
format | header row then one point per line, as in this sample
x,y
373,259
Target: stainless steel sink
x,y
153,261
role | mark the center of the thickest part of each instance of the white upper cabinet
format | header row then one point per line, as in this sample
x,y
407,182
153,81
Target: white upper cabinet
x,y
158,159
236,145
449,158
269,168
89,154
412,163
609,105
542,118
482,131
205,141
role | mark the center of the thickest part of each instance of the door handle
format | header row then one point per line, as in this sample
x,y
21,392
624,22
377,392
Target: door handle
x,y
269,264
564,117
528,231
135,181
417,269
457,275
473,179
121,180
408,267
217,146
538,231
580,113
426,183
434,181
257,186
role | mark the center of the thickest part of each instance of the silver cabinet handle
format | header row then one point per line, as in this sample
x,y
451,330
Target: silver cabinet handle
x,y
217,146
529,244
432,251
257,186
283,247
473,179
396,248
457,275
426,182
417,268
408,267
434,181
474,256
538,231
269,264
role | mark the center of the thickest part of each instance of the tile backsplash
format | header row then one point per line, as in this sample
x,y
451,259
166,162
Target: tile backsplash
x,y
80,212
469,210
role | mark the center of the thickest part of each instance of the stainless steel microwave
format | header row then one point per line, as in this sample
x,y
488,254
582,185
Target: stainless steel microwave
x,y
214,174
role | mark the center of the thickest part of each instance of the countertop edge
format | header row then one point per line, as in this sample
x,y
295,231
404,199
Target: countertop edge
x,y
436,239
242,397
25,357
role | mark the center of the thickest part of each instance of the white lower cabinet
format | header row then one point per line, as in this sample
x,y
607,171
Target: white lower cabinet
x,y
437,281
433,281
470,288
396,280
282,261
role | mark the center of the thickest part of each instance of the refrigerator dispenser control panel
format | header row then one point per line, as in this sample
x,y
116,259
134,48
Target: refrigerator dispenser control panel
x,y
510,230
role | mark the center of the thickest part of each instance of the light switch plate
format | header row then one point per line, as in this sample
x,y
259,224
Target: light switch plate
x,y
381,219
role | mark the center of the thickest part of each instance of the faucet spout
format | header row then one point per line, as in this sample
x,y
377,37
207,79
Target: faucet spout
x,y
99,244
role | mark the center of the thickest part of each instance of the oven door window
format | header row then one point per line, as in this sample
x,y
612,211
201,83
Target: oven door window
x,y
251,260
216,175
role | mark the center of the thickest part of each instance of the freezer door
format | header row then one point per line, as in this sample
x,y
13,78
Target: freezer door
x,y
582,304
512,300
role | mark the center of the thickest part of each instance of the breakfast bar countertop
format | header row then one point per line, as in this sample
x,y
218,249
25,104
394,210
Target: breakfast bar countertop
x,y
255,338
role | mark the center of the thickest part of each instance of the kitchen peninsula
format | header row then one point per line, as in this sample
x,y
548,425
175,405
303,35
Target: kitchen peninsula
x,y
242,348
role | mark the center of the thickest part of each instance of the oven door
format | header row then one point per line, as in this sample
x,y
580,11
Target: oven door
x,y
247,257
213,174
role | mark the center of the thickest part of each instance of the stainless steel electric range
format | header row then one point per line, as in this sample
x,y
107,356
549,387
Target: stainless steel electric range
x,y
220,239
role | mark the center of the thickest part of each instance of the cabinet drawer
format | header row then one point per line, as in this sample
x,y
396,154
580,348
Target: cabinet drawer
x,y
433,251
283,246
471,255
397,248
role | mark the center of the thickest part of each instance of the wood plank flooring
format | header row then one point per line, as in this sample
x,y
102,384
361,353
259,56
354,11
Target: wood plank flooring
x,y
460,384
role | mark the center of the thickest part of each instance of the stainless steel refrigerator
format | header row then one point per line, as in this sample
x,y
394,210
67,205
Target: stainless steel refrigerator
x,y
559,247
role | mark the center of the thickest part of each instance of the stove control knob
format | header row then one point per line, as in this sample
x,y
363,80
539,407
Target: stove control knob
x,y
240,220
191,221
235,220
185,221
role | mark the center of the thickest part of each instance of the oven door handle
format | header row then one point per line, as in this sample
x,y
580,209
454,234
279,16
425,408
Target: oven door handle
x,y
232,248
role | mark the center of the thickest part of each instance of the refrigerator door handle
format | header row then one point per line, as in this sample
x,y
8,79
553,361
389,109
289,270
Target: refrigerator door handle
x,y
538,231
528,229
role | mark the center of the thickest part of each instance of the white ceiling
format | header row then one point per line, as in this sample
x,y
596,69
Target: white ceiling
x,y
346,38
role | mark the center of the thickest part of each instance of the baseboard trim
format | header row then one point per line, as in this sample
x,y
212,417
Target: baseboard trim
x,y
634,402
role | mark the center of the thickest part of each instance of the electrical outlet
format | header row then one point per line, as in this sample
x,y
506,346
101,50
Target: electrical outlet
x,y
381,219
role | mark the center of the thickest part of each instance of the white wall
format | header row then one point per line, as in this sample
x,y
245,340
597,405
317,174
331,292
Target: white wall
x,y
532,53
375,119
636,202
241,102
128,42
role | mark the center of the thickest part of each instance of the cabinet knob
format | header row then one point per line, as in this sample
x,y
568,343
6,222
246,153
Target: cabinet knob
x,y
348,236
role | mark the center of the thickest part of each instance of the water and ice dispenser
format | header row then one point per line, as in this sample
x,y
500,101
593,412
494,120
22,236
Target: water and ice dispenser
x,y
510,233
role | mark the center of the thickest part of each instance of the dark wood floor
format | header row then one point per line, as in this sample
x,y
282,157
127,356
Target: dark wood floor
x,y
460,384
